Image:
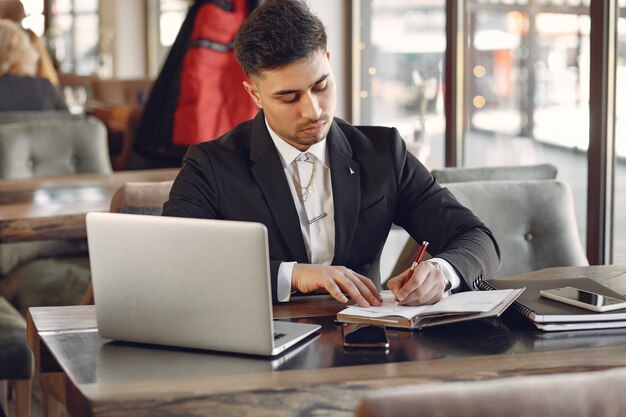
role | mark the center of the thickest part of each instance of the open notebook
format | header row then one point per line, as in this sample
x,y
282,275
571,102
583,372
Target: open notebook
x,y
458,307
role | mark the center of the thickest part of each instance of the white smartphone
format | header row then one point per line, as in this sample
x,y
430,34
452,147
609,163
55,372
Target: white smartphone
x,y
584,299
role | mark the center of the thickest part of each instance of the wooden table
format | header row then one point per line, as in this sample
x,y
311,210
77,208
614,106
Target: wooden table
x,y
55,207
319,378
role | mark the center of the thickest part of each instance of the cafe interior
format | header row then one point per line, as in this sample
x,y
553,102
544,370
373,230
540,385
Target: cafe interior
x,y
513,103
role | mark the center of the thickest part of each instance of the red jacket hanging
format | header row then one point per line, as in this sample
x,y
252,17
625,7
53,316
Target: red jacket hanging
x,y
212,99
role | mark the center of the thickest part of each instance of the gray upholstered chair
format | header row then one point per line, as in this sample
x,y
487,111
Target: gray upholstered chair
x,y
30,116
532,221
499,173
16,359
58,144
53,147
36,144
141,197
400,246
136,198
582,394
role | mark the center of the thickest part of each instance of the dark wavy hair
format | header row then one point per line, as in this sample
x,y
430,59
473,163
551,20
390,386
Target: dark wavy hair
x,y
278,33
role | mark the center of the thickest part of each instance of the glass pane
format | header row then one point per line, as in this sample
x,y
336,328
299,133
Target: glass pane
x,y
174,6
61,42
86,44
170,24
527,85
32,6
172,14
61,6
619,229
402,47
34,19
85,6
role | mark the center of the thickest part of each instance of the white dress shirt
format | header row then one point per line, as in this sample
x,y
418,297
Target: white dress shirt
x,y
319,237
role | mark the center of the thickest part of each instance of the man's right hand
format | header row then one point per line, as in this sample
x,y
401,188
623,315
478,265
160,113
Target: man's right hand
x,y
335,280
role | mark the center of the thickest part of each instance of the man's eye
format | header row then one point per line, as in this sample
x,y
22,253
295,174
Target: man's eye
x,y
289,98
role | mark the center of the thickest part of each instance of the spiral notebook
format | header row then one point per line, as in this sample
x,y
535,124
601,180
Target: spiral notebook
x,y
550,315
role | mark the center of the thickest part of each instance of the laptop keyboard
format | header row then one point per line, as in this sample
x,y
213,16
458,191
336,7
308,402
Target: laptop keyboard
x,y
279,335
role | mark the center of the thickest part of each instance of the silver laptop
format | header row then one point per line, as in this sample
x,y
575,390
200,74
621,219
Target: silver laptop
x,y
186,282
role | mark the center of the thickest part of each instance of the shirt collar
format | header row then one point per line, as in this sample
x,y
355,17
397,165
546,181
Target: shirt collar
x,y
288,153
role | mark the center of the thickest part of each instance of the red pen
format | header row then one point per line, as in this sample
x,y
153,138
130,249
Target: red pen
x,y
417,260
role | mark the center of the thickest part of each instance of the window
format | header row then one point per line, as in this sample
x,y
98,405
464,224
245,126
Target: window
x,y
167,16
74,35
619,235
528,88
34,19
401,48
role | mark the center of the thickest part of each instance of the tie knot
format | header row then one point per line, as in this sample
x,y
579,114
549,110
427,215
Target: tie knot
x,y
306,157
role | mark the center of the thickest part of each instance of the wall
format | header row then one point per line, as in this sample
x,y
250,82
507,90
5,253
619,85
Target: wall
x,y
125,22
333,14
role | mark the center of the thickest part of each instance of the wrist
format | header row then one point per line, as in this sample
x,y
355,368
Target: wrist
x,y
447,283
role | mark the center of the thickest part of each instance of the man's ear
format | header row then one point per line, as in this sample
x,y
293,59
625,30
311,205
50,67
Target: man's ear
x,y
254,93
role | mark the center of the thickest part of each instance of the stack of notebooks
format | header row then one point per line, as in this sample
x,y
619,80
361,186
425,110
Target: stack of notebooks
x,y
550,315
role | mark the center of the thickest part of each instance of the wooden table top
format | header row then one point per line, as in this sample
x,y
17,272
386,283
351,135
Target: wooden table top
x,y
55,207
320,377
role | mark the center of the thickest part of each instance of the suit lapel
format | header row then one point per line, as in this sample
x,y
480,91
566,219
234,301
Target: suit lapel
x,y
269,175
346,180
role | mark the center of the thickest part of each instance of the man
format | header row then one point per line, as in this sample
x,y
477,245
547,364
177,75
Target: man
x,y
327,191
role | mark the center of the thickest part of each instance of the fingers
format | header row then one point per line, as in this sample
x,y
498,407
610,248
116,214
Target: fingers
x,y
394,284
429,297
358,287
426,286
336,280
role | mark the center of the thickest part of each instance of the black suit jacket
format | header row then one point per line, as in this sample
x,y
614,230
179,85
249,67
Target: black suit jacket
x,y
376,182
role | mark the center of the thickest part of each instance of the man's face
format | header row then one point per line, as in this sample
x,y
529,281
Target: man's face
x,y
298,99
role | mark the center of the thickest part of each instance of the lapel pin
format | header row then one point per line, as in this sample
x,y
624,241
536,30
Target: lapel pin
x,y
351,170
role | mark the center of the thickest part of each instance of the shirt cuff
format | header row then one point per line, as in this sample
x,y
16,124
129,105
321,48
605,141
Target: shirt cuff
x,y
449,273
283,281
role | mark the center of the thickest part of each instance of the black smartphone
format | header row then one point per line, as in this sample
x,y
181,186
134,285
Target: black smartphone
x,y
364,336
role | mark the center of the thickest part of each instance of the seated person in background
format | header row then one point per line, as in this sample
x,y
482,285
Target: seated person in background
x,y
20,89
328,192
14,10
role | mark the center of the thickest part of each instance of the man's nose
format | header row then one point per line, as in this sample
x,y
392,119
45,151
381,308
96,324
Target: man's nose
x,y
311,107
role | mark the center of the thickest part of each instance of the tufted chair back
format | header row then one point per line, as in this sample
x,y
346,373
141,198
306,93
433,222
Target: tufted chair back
x,y
532,221
53,147
141,197
136,198
37,115
577,394
500,173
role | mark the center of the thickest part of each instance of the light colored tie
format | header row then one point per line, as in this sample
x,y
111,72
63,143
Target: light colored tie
x,y
304,171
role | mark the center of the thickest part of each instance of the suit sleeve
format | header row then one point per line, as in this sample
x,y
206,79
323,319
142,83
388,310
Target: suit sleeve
x,y
195,194
429,212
